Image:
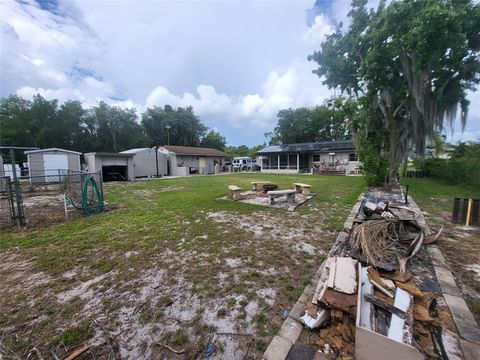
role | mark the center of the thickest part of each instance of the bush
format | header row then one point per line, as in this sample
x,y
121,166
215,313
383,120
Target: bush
x,y
374,166
463,168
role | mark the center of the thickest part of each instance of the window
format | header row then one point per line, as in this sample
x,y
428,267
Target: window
x,y
353,157
316,157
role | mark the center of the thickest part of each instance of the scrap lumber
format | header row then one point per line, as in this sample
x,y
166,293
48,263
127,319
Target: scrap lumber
x,y
337,300
344,278
381,288
78,352
385,306
399,330
365,307
431,238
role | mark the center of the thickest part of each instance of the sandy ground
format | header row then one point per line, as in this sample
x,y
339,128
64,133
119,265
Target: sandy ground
x,y
227,299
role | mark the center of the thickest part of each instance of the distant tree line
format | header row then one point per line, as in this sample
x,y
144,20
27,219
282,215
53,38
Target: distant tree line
x,y
47,123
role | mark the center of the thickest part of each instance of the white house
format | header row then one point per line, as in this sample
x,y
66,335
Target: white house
x,y
325,157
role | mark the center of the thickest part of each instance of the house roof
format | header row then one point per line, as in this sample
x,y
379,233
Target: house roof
x,y
320,146
196,151
52,150
134,151
110,154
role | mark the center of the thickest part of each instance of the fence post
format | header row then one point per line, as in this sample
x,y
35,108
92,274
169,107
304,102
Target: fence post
x,y
18,191
11,203
100,174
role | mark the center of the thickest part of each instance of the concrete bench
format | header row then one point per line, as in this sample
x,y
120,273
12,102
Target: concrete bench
x,y
290,194
234,192
303,189
257,185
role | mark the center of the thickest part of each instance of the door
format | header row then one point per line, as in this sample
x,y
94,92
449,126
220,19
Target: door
x,y
55,164
202,164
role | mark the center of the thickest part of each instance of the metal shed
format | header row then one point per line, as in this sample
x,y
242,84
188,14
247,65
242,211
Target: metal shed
x,y
114,166
47,165
146,162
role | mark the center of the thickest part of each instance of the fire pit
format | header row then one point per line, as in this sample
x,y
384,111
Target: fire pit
x,y
269,187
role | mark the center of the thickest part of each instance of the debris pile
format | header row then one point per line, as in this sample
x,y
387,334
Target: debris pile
x,y
366,305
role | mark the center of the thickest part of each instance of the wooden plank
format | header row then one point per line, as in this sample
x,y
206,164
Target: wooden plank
x,y
385,306
398,330
331,275
322,283
366,288
345,280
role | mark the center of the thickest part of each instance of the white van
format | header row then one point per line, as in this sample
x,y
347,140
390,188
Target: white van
x,y
242,163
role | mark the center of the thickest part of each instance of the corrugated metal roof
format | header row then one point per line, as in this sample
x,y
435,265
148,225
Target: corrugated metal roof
x,y
134,151
195,151
321,146
52,150
109,154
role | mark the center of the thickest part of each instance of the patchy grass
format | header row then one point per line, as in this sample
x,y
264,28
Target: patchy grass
x,y
459,244
169,263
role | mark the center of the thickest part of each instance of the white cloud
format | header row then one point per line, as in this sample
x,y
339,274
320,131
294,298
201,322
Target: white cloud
x,y
320,28
236,63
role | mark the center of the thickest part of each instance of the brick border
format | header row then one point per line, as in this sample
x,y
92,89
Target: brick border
x,y
467,327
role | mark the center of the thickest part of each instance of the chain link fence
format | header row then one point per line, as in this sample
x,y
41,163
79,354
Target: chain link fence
x,y
41,199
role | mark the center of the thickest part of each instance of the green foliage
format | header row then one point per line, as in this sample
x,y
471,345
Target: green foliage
x,y
413,61
461,169
214,140
185,129
321,123
42,123
238,151
374,165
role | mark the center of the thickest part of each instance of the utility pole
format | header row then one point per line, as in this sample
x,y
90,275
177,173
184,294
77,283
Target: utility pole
x,y
168,127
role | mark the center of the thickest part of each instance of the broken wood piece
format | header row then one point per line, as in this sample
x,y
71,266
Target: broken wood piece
x,y
366,288
311,309
341,301
389,284
381,288
399,330
322,283
78,352
181,351
384,305
397,276
345,275
314,322
412,250
431,238
375,276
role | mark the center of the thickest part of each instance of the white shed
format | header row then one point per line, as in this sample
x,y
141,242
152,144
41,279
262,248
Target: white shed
x,y
145,162
114,166
47,165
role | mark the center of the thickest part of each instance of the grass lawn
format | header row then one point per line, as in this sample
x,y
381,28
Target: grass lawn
x,y
170,264
459,245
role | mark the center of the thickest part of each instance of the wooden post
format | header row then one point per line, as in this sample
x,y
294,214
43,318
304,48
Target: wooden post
x,y
278,165
65,206
298,162
469,212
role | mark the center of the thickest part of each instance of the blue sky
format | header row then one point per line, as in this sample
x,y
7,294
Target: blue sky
x,y
236,62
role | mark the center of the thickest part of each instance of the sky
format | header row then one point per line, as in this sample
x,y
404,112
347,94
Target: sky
x,y
236,62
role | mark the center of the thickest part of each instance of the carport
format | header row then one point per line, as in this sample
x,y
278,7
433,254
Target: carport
x,y
114,166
